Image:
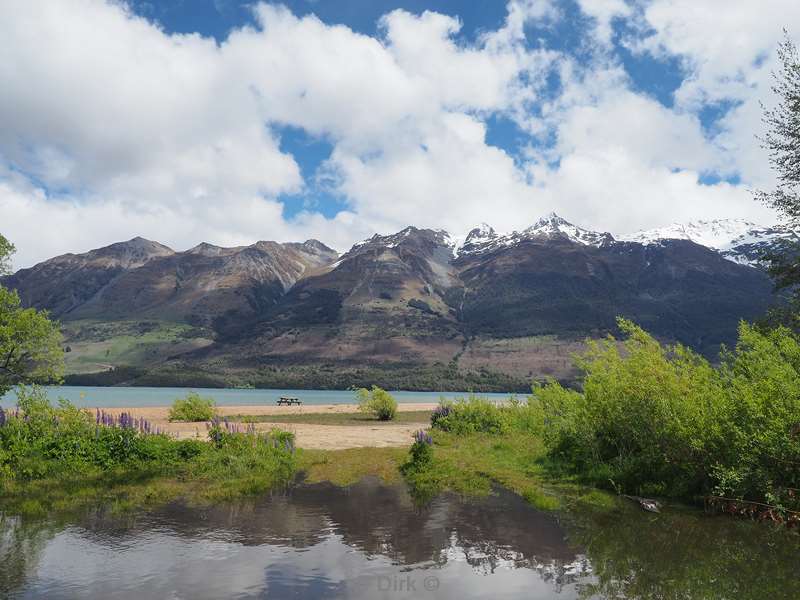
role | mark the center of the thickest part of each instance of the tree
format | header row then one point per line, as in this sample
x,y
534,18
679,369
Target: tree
x,y
782,142
30,343
6,250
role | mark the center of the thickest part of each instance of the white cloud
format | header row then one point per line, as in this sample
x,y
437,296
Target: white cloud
x,y
94,97
722,43
138,132
604,12
728,51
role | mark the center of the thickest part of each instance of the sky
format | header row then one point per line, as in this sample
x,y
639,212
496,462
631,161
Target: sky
x,y
229,122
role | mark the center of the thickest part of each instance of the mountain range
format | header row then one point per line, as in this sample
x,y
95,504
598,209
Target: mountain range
x,y
416,309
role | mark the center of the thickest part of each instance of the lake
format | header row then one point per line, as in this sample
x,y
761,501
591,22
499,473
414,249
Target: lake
x,y
371,541
88,396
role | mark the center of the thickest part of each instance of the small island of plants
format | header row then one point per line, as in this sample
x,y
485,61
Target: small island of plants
x,y
62,458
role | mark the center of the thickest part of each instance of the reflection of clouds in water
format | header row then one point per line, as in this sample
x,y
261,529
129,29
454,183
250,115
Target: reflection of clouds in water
x,y
172,567
367,541
163,565
490,560
322,541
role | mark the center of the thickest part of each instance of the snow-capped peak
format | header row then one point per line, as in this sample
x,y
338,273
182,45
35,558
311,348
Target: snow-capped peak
x,y
478,240
736,239
716,233
554,225
481,232
484,238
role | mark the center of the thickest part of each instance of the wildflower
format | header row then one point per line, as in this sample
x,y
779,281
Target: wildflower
x,y
441,412
422,437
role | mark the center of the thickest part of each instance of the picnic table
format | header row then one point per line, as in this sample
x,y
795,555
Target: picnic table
x,y
288,400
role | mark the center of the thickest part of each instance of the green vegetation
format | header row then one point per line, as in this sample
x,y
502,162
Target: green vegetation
x,y
473,415
377,402
661,420
98,345
346,467
475,444
192,408
321,376
30,344
62,459
650,420
335,418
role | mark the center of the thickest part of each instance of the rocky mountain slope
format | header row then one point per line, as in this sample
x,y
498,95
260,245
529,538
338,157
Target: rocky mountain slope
x,y
144,279
492,307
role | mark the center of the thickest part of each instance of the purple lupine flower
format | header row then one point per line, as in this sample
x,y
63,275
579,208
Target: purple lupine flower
x,y
422,437
2,416
97,416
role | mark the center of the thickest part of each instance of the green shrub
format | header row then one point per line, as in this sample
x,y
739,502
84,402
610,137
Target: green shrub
x,y
192,408
661,420
377,402
473,415
66,446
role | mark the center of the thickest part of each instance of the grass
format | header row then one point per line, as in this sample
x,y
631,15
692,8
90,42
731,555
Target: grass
x,y
202,483
469,465
96,345
336,418
346,467
472,464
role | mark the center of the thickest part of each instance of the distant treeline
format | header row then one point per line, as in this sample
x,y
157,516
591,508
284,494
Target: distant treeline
x,y
437,377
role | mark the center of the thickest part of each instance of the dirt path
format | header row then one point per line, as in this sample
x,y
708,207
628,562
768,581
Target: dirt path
x,y
323,437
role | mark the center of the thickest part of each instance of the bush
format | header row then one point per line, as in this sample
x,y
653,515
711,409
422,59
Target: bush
x,y
192,408
661,420
377,402
473,415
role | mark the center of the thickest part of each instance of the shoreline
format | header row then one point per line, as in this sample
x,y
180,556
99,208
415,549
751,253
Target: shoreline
x,y
309,436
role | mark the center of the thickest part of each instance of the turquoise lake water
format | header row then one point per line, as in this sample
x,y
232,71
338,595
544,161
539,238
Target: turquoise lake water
x,y
88,396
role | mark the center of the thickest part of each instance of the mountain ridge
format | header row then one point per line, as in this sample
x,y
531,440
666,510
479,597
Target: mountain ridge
x,y
510,305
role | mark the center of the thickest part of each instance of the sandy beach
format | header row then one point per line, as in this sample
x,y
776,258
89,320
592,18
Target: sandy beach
x,y
312,436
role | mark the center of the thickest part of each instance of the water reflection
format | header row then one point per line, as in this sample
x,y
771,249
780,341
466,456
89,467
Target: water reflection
x,y
371,541
683,554
368,541
21,545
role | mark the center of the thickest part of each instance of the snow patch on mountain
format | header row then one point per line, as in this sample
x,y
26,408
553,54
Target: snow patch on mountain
x,y
737,240
485,239
718,233
553,225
